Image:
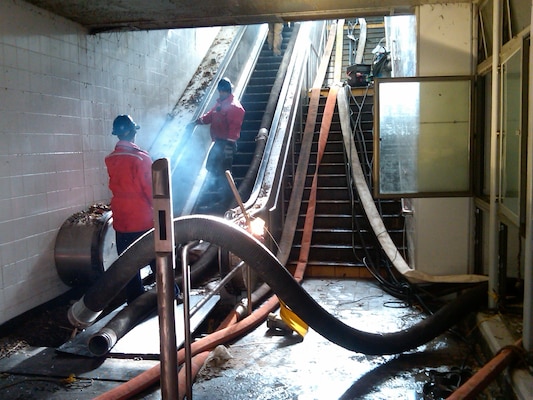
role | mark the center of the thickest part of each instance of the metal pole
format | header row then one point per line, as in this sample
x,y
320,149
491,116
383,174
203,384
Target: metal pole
x,y
527,333
494,139
237,196
249,288
187,317
165,260
217,288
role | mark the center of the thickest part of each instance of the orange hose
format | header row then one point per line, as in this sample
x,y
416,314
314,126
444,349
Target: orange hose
x,y
481,379
151,376
198,360
196,365
311,205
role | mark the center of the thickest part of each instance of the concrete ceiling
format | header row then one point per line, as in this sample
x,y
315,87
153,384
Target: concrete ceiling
x,y
109,15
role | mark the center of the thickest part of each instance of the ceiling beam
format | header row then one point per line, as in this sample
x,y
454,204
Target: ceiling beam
x,y
111,15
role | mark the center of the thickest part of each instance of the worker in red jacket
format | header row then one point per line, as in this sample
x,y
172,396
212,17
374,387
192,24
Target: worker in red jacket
x,y
130,181
225,119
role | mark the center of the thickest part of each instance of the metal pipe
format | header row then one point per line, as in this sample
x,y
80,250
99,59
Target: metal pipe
x,y
249,289
103,341
165,260
187,317
217,288
527,332
488,373
86,310
237,196
81,316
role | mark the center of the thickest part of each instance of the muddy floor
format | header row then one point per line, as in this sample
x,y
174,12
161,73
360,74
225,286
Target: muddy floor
x,y
45,326
268,363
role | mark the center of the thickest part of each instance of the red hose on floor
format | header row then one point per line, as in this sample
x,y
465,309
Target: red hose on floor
x,y
481,379
198,360
150,377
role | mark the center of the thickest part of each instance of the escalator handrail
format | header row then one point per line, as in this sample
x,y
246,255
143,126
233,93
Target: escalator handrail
x,y
265,192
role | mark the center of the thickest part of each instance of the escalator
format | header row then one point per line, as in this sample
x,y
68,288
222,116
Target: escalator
x,y
255,101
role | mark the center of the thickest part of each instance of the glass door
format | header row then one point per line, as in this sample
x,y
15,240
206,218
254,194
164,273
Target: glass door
x,y
510,135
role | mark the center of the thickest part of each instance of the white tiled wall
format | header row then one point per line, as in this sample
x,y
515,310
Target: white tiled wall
x,y
60,89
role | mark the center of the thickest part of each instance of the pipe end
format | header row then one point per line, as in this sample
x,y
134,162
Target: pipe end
x,y
102,342
80,316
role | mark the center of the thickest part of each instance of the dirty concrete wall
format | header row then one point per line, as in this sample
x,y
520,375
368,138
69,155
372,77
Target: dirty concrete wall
x,y
60,90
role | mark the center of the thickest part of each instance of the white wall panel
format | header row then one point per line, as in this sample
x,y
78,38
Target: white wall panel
x,y
442,228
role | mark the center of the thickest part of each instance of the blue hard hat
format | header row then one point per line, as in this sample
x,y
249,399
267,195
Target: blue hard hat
x,y
124,124
224,85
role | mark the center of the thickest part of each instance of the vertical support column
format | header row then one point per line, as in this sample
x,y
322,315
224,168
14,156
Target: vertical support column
x,y
494,140
527,332
165,260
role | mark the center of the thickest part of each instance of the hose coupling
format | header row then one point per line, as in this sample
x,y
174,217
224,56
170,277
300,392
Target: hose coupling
x,y
80,316
100,343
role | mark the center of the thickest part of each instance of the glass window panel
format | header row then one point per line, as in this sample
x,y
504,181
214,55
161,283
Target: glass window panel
x,y
511,101
520,15
487,110
423,137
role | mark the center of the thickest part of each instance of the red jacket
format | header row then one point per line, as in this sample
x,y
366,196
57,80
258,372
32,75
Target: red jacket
x,y
130,180
225,118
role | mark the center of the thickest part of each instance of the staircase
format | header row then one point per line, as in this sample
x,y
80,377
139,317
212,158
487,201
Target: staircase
x,y
343,243
342,240
331,243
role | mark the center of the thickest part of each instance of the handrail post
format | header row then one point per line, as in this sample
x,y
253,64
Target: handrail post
x,y
186,271
165,260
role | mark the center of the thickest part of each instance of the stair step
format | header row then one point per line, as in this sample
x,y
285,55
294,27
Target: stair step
x,y
333,253
338,239
317,269
329,193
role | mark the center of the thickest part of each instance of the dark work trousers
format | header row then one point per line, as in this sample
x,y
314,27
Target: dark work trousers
x,y
219,160
135,287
